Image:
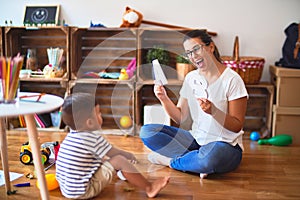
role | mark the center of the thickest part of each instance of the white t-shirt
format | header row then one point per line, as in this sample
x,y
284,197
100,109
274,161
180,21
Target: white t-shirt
x,y
229,86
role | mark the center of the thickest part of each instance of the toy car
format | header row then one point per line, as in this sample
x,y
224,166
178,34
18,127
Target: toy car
x,y
26,154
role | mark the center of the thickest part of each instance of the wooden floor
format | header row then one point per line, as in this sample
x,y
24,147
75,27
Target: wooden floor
x,y
266,172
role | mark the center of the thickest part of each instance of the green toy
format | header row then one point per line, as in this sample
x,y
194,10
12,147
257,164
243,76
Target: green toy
x,y
278,140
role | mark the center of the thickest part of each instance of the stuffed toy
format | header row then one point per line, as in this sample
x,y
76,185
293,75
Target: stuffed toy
x,y
131,18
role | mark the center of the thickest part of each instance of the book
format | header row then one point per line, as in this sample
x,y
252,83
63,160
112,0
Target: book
x,y
45,119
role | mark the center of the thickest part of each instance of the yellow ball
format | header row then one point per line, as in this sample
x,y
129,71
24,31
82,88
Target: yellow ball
x,y
51,181
125,121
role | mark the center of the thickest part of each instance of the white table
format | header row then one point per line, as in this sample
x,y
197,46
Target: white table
x,y
28,108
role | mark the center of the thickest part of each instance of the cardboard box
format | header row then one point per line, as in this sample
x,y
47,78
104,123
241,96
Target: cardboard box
x,y
286,120
155,114
287,83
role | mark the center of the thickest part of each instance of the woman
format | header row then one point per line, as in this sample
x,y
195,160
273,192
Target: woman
x,y
216,99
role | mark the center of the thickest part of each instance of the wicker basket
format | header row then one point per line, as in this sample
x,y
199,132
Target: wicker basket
x,y
249,68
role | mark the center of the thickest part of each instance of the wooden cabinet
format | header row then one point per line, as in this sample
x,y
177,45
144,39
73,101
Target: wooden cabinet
x,y
20,39
101,49
169,40
91,51
145,96
106,50
116,99
259,108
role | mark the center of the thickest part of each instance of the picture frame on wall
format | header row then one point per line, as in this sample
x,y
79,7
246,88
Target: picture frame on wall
x,y
36,15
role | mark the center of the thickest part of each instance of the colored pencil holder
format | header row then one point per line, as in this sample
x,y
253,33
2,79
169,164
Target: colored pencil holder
x,y
9,74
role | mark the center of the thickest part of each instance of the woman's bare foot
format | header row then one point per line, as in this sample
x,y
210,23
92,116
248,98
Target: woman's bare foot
x,y
158,159
203,175
157,186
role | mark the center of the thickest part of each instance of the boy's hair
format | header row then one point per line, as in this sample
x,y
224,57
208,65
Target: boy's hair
x,y
77,109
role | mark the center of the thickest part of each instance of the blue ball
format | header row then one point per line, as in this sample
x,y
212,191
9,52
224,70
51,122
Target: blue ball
x,y
254,136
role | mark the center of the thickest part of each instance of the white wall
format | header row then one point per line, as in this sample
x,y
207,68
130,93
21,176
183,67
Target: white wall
x,y
258,23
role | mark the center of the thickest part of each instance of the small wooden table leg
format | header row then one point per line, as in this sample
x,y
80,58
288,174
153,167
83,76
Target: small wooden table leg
x,y
4,155
36,153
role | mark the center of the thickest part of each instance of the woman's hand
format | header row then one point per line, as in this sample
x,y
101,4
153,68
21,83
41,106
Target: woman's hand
x,y
206,105
160,92
234,119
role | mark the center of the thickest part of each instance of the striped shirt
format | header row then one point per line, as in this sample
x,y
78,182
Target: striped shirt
x,y
79,157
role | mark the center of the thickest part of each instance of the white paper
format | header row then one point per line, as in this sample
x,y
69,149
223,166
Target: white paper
x,y
159,75
12,176
200,88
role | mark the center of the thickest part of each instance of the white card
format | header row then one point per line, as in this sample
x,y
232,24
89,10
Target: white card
x,y
159,75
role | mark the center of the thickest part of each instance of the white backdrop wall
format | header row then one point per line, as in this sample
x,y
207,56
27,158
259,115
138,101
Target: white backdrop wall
x,y
258,23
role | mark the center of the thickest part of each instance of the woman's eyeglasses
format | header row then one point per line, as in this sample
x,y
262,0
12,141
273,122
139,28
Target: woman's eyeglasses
x,y
198,49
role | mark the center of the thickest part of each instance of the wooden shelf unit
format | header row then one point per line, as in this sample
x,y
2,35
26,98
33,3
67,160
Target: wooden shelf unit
x,y
259,108
145,96
111,49
169,40
101,49
116,99
105,49
20,39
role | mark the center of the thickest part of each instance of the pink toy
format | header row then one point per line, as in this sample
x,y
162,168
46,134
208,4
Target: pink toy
x,y
131,68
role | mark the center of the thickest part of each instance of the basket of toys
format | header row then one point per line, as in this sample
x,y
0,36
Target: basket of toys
x,y
248,67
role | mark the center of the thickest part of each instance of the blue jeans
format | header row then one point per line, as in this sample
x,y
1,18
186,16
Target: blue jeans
x,y
187,154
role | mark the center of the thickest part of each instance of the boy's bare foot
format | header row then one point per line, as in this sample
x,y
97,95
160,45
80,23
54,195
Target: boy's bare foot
x,y
157,186
158,159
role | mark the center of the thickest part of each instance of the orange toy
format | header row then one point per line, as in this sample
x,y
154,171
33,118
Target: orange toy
x,y
51,181
125,121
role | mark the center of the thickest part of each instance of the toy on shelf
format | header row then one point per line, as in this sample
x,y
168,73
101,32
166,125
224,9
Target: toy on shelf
x,y
131,18
134,18
31,60
278,140
92,25
131,68
55,58
123,75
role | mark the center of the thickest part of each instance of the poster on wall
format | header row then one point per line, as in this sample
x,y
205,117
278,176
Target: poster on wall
x,y
41,15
